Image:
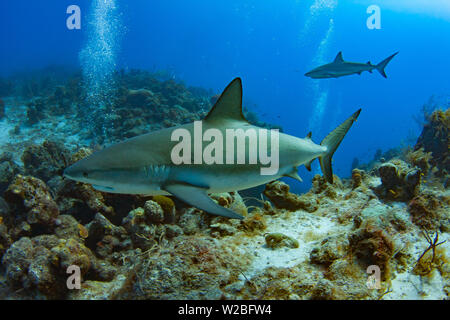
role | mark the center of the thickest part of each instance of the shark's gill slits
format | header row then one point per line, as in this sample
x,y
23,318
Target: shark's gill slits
x,y
157,173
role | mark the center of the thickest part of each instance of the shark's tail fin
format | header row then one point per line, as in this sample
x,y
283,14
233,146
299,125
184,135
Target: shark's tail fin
x,y
332,141
380,67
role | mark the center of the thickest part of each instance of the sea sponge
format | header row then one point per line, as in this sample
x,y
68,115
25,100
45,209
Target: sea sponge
x,y
400,182
357,178
278,193
168,207
278,240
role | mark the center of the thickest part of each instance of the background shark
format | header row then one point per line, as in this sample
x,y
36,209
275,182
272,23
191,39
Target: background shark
x,y
339,68
142,165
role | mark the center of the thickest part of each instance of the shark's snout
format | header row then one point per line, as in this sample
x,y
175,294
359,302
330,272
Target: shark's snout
x,y
67,172
75,172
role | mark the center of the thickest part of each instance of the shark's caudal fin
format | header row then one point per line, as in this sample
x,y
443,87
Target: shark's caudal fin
x,y
380,67
332,141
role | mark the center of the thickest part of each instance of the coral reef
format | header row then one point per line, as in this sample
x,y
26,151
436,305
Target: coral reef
x,y
391,215
8,170
399,180
32,206
45,161
435,139
278,193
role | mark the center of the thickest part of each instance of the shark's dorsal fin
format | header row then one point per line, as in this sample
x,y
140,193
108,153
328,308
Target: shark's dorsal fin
x,y
339,57
229,104
309,135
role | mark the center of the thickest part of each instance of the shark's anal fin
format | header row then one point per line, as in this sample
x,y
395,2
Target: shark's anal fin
x,y
294,175
308,165
198,197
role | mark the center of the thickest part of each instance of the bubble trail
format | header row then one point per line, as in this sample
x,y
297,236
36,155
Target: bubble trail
x,y
98,63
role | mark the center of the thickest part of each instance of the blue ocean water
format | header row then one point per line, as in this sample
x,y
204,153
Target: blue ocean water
x,y
270,45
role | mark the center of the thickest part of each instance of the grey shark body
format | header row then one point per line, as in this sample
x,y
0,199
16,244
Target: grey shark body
x,y
143,164
339,68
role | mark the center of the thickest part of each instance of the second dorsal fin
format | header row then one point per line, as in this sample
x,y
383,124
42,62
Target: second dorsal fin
x,y
229,104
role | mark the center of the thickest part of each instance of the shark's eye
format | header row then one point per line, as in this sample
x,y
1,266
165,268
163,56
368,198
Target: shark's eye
x,y
85,174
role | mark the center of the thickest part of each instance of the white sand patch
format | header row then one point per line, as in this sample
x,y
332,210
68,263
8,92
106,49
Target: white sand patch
x,y
297,225
5,128
407,286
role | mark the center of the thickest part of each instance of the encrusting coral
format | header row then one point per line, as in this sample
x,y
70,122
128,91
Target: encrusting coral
x,y
399,180
435,138
32,202
278,193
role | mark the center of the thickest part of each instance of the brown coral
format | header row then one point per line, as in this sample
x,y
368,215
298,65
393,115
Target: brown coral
x,y
373,246
435,138
429,211
33,197
278,193
400,182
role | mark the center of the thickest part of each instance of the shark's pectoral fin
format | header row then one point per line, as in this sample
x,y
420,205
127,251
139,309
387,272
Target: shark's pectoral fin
x,y
198,197
294,175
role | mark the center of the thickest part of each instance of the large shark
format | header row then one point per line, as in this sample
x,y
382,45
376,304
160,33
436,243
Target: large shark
x,y
143,164
339,68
